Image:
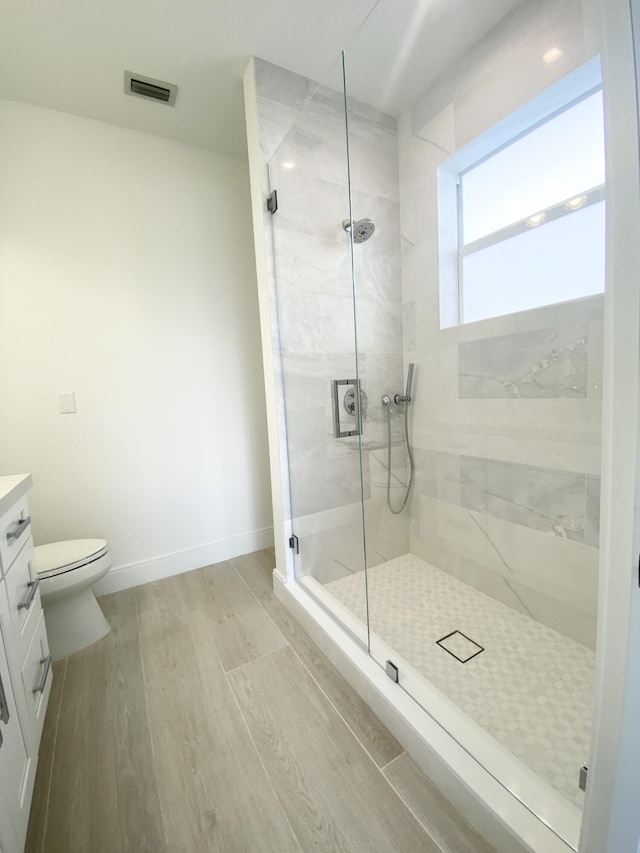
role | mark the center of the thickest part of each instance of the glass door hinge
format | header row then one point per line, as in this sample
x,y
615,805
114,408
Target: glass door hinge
x,y
294,544
582,779
272,202
392,671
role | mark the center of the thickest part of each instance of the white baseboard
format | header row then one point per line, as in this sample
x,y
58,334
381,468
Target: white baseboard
x,y
136,574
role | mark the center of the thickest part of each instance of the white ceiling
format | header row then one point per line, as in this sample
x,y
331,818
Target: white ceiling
x,y
71,55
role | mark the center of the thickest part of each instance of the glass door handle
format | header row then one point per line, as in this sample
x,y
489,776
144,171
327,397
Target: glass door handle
x,y
354,392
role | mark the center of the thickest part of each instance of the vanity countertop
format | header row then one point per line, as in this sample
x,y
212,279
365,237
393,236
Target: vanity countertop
x,y
12,488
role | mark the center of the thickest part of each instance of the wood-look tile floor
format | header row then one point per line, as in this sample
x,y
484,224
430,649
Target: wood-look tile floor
x,y
207,720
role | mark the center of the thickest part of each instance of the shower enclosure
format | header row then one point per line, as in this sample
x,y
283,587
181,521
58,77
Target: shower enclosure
x,y
434,236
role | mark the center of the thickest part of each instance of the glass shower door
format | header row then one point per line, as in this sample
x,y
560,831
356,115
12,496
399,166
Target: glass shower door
x,y
323,403
377,294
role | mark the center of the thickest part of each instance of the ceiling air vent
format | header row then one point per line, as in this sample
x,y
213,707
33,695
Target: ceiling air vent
x,y
147,87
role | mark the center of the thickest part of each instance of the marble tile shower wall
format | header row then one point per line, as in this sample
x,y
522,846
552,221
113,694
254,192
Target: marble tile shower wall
x,y
302,135
507,411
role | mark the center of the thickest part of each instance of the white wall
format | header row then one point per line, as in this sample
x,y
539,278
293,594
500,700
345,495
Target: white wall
x,y
127,276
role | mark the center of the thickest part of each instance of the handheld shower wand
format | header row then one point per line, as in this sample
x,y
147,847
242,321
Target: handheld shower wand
x,y
399,398
386,402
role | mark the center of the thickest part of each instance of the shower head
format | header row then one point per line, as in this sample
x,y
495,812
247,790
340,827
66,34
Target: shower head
x,y
362,229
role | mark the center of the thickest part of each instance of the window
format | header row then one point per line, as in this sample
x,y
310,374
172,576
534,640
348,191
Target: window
x,y
531,211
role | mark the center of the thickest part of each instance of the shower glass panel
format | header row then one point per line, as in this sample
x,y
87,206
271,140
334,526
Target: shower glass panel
x,y
482,591
319,376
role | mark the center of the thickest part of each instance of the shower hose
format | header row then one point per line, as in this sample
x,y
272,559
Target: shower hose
x,y
409,454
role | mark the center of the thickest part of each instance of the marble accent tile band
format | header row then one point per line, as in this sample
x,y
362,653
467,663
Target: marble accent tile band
x,y
541,363
562,503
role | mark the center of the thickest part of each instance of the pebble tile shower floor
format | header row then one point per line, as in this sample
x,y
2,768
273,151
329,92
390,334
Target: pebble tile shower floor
x,y
531,688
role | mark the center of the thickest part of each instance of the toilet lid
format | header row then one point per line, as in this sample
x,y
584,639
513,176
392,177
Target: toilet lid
x,y
63,556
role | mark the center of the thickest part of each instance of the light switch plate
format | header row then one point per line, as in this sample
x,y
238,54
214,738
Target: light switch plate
x,y
67,402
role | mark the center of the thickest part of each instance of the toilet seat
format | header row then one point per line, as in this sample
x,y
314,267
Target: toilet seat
x,y
57,558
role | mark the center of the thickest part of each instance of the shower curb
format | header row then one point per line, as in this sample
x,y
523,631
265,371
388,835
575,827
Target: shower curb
x,y
488,807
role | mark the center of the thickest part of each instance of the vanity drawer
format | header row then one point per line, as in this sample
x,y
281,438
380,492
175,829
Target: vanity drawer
x,y
15,529
36,677
24,600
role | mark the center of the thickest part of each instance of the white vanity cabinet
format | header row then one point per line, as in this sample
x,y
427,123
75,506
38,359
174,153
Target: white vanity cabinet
x,y
15,763
25,663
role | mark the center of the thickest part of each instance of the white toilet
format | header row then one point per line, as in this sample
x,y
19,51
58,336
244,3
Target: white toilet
x,y
67,572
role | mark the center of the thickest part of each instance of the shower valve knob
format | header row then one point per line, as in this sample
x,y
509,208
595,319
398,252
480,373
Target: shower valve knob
x,y
350,402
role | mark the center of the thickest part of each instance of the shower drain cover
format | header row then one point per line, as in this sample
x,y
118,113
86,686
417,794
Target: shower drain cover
x,y
460,646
